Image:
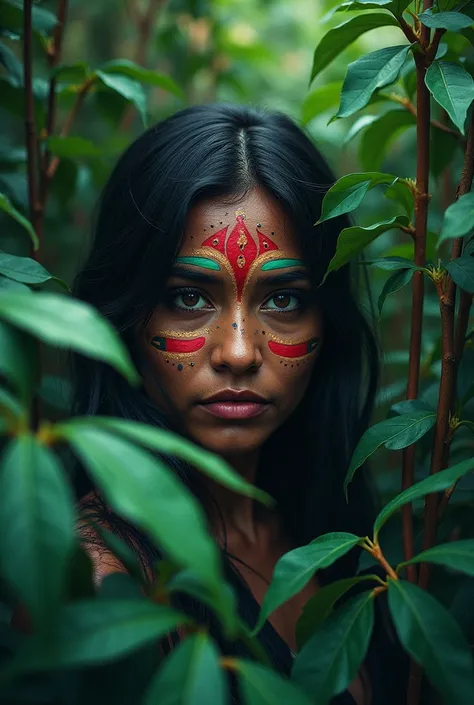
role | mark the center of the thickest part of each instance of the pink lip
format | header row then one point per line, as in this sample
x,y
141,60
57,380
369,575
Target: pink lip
x,y
231,409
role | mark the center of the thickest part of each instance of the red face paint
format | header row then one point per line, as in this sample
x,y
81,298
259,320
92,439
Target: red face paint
x,y
178,345
240,249
293,349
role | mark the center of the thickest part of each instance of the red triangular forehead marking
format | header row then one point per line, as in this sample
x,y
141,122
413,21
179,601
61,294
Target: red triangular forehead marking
x,y
217,241
265,244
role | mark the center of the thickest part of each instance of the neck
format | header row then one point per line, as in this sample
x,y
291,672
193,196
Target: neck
x,y
237,512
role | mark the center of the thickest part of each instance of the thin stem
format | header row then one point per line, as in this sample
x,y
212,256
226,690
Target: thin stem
x,y
30,126
408,105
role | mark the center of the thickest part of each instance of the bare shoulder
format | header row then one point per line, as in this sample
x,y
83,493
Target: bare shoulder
x,y
103,560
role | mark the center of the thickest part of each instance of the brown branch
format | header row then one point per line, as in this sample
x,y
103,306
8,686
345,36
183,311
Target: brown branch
x,y
54,56
406,102
30,125
145,23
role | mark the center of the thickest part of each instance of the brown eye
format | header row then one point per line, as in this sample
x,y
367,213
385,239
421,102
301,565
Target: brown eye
x,y
282,300
190,299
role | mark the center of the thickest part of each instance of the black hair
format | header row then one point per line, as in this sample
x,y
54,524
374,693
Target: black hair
x,y
224,150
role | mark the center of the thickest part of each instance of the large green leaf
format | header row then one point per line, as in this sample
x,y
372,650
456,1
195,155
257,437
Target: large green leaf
x,y
132,70
453,88
11,64
99,630
395,433
261,686
458,218
457,555
296,568
72,147
68,323
13,413
26,270
170,443
434,483
18,359
7,207
331,658
320,606
394,6
11,17
127,87
380,134
146,491
365,75
353,240
36,526
320,99
461,270
349,191
190,675
391,263
454,21
340,37
434,639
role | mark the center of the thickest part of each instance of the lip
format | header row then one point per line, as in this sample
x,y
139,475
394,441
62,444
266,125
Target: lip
x,y
235,404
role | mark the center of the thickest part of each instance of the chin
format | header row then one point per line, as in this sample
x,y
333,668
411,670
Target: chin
x,y
231,441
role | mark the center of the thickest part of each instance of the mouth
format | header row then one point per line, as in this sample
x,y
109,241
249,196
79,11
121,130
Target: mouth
x,y
235,404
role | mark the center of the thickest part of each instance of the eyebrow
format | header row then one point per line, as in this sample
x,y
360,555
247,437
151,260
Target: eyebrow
x,y
282,263
194,275
285,277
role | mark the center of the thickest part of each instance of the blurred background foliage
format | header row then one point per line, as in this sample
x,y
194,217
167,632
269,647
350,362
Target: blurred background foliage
x,y
251,51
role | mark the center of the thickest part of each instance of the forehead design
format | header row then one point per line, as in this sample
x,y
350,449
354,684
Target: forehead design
x,y
240,249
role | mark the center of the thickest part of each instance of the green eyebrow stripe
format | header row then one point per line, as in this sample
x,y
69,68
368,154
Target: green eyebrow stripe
x,y
281,264
199,262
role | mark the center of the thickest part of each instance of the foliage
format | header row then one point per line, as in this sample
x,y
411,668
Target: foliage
x,y
424,78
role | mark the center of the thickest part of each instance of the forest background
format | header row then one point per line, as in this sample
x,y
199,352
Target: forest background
x,y
258,52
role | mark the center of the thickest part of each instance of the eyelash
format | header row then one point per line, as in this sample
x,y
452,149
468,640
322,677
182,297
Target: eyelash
x,y
301,297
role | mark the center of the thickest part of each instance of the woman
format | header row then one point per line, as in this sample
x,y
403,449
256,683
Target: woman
x,y
207,261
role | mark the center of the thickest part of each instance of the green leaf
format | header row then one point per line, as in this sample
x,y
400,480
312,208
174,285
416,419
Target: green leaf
x,y
402,195
453,88
154,78
7,207
127,87
395,6
36,526
296,568
349,191
365,75
320,606
144,490
71,73
26,270
394,283
331,658
390,263
11,409
434,639
340,37
353,240
12,285
461,270
380,134
465,380
11,18
68,323
320,99
434,483
173,444
457,555
358,126
395,433
18,360
190,675
261,686
73,147
458,218
11,64
453,21
98,631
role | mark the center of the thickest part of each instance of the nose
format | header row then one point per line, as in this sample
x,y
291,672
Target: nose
x,y
236,347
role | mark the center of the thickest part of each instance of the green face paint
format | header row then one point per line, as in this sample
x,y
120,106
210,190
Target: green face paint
x,y
204,262
281,264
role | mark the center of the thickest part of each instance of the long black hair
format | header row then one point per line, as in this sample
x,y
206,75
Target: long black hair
x,y
224,150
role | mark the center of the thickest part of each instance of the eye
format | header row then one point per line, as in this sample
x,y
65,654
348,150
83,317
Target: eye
x,y
284,301
188,300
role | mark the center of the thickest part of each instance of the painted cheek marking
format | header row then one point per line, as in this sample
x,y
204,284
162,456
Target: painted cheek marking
x,y
178,345
281,264
292,349
204,262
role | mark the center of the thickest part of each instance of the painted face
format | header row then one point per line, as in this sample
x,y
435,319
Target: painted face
x,y
230,351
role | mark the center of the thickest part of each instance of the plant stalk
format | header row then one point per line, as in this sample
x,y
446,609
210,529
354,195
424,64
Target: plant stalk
x,y
30,125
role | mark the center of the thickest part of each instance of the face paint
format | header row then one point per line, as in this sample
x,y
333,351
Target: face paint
x,y
204,262
293,350
281,264
178,345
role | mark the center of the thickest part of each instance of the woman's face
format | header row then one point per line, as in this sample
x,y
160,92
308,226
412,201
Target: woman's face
x,y
230,351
